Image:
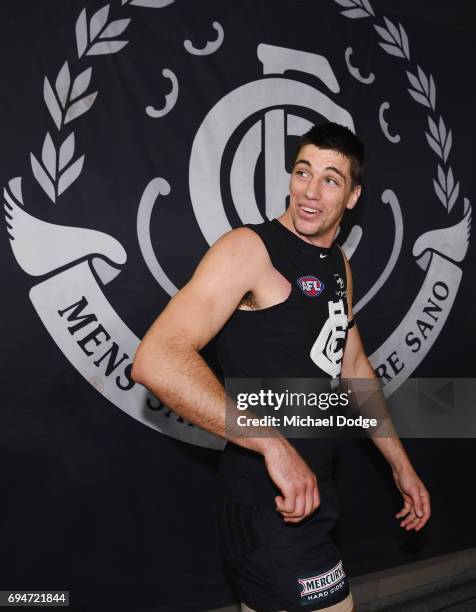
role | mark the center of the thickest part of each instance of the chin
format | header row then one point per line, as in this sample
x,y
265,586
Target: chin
x,y
306,228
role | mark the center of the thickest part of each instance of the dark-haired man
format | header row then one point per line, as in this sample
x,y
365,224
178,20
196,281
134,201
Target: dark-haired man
x,y
273,295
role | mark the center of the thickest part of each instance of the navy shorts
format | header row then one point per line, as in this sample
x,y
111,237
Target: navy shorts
x,y
276,565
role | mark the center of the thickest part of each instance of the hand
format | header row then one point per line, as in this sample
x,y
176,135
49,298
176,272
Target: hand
x,y
416,499
297,483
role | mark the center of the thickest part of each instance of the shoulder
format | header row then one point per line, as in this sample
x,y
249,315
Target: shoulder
x,y
239,254
241,236
242,244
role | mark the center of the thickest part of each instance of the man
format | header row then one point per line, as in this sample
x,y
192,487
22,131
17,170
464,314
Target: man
x,y
269,293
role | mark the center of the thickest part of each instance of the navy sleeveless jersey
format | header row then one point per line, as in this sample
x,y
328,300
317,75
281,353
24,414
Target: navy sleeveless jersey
x,y
301,337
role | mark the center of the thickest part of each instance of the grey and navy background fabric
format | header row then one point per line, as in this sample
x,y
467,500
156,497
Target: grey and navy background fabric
x,y
93,500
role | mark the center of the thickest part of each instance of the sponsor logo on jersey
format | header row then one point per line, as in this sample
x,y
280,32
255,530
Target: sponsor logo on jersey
x,y
322,585
310,285
340,292
339,281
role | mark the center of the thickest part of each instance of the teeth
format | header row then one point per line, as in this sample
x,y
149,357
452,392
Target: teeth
x,y
309,210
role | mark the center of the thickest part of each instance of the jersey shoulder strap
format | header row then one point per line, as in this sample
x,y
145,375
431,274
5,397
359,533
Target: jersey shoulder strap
x,y
279,250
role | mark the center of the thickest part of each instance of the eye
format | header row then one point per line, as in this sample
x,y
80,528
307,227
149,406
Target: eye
x,y
301,173
331,180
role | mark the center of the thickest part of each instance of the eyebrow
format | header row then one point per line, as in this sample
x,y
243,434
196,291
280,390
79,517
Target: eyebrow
x,y
333,168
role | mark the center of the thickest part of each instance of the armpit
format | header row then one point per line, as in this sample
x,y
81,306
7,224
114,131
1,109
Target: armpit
x,y
247,302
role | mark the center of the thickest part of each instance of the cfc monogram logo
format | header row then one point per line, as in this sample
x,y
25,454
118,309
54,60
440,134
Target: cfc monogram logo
x,y
327,350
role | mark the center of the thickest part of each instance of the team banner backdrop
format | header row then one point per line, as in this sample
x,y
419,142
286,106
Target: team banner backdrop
x,y
134,134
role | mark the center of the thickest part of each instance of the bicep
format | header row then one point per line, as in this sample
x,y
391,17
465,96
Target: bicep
x,y
354,361
201,308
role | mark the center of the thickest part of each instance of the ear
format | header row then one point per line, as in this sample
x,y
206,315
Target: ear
x,y
354,196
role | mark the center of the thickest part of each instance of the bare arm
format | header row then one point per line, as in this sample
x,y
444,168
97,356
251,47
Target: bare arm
x,y
168,363
355,365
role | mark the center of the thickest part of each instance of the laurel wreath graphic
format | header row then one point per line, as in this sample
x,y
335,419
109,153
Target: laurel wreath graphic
x,y
423,90
67,101
55,171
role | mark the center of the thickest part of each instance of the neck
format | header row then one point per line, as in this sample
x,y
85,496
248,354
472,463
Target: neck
x,y
321,240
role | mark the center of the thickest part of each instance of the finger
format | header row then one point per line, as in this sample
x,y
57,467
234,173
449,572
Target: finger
x,y
426,513
293,515
410,516
316,497
413,524
422,515
300,507
292,518
309,501
286,503
422,523
405,510
279,501
417,501
425,499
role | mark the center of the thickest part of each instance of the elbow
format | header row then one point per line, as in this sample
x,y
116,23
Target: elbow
x,y
156,363
151,364
143,365
360,368
138,372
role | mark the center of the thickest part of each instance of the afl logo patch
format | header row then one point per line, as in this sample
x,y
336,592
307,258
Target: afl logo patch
x,y
310,285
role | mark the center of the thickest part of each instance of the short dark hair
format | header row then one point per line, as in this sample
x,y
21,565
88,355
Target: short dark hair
x,y
337,138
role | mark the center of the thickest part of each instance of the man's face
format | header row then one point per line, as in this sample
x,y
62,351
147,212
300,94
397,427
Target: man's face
x,y
320,191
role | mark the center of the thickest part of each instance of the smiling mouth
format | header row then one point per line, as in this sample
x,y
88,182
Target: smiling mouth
x,y
309,210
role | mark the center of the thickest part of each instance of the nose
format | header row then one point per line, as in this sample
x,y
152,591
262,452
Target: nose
x,y
313,191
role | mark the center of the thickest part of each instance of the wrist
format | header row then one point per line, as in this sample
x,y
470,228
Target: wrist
x,y
265,445
394,452
401,465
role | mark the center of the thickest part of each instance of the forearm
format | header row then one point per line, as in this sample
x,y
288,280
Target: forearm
x,y
371,403
182,380
393,451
